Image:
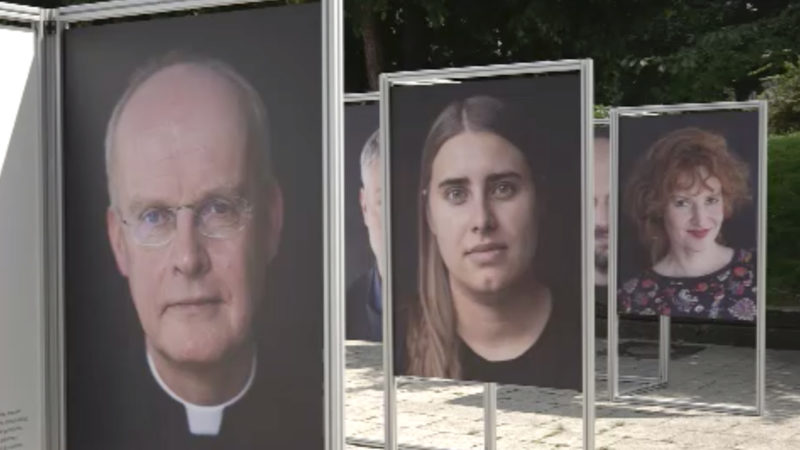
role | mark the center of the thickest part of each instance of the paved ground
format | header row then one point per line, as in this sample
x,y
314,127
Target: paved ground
x,y
447,415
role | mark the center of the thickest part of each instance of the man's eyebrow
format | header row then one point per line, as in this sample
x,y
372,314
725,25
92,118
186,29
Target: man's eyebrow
x,y
140,202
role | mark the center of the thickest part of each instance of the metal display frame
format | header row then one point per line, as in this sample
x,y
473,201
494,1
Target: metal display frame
x,y
362,97
51,98
49,25
444,76
645,383
356,98
662,378
489,390
24,15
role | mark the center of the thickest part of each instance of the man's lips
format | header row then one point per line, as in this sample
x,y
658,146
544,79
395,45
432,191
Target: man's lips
x,y
486,248
700,233
192,303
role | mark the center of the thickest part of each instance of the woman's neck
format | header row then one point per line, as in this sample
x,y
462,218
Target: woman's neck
x,y
680,262
502,326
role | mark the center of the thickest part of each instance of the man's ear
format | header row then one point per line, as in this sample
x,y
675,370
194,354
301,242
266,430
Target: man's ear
x,y
274,218
362,200
116,237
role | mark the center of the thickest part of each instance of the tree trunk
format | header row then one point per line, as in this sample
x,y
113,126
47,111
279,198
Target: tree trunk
x,y
372,46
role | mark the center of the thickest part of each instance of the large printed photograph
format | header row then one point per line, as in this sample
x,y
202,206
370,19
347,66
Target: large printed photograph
x,y
363,222
486,229
193,232
688,215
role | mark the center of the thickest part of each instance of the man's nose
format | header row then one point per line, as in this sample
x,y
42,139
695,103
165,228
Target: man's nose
x,y
188,252
483,218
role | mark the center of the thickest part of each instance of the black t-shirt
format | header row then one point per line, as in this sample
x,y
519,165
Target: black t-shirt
x,y
546,363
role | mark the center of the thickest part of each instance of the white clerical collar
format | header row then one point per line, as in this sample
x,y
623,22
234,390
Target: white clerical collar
x,y
203,420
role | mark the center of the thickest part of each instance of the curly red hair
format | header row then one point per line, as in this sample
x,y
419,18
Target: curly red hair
x,y
676,162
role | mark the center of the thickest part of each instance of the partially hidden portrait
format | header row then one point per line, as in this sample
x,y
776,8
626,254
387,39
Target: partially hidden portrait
x,y
365,273
682,197
601,209
195,223
486,306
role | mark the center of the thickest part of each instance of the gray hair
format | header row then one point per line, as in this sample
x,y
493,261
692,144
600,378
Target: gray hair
x,y
255,110
370,153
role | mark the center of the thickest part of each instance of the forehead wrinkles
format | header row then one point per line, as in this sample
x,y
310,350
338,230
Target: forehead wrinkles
x,y
182,94
183,107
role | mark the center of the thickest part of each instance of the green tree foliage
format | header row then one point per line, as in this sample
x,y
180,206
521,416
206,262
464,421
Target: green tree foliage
x,y
720,51
783,93
645,51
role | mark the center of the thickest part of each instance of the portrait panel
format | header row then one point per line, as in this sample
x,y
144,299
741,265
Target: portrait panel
x,y
688,215
364,234
487,229
193,231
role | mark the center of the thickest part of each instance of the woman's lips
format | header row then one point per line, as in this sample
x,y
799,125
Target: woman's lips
x,y
486,248
699,234
486,253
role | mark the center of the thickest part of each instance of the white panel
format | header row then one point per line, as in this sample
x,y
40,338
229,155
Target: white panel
x,y
17,48
21,332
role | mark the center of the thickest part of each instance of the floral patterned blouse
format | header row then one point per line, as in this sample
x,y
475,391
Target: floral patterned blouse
x,y
727,294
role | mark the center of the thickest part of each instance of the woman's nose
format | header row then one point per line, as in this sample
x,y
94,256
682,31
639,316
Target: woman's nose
x,y
698,215
483,217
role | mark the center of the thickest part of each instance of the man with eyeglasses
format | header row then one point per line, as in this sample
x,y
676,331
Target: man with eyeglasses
x,y
194,220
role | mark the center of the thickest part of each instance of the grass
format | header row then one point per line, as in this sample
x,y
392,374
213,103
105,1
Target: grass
x,y
783,221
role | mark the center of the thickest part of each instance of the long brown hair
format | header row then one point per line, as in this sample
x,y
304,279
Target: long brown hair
x,y
432,343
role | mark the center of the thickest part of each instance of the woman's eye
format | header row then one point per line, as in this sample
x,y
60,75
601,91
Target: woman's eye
x,y
455,195
712,200
680,203
504,190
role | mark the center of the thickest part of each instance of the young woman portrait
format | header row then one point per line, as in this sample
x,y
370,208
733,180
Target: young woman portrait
x,y
483,309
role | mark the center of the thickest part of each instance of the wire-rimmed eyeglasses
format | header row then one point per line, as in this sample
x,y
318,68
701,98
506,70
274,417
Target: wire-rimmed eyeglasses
x,y
217,217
